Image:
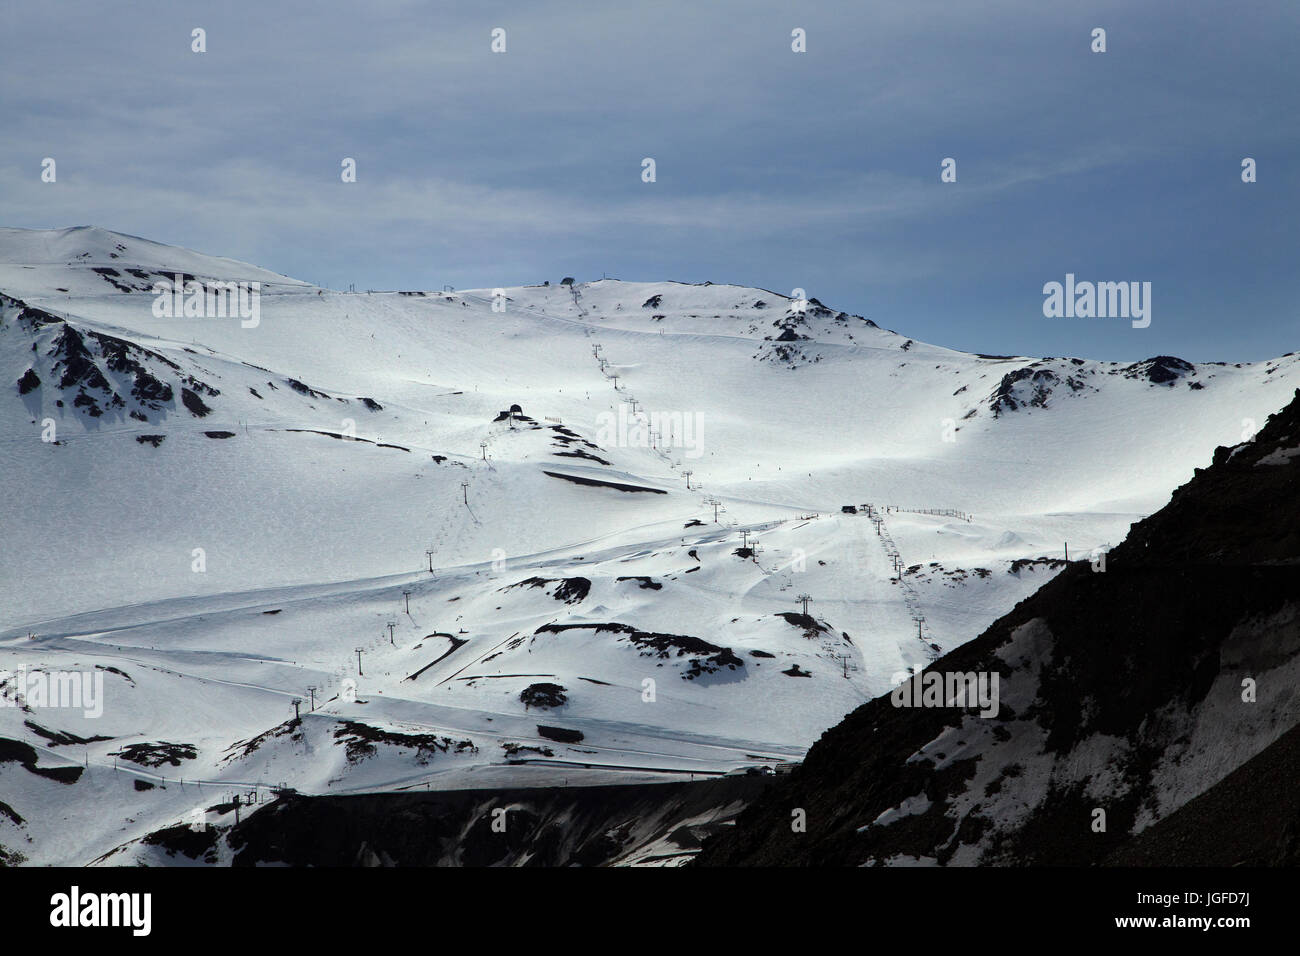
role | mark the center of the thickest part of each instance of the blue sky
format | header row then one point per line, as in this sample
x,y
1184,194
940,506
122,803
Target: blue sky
x,y
775,169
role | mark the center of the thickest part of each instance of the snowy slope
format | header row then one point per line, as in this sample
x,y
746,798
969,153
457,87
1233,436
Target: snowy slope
x,y
1124,697
227,513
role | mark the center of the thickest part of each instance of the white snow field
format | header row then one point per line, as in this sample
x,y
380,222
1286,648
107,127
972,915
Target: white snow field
x,y
213,517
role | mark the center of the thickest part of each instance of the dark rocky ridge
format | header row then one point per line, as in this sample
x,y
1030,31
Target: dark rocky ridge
x,y
1211,830
103,373
704,658
554,826
1042,382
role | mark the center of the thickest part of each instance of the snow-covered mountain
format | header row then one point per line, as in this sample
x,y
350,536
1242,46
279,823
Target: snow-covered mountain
x,y
1145,712
215,514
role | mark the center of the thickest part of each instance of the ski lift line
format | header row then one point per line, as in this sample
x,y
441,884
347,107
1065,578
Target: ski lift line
x,y
911,599
351,586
